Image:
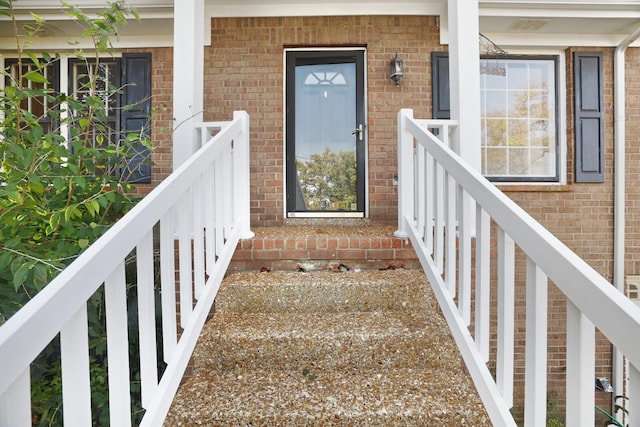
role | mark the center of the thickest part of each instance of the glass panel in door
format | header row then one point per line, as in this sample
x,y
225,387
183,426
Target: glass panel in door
x,y
325,135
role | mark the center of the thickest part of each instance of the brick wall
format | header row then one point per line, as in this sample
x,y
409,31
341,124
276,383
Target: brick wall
x,y
244,70
162,115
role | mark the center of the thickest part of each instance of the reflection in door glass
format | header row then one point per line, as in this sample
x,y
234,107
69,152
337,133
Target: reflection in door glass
x,y
325,147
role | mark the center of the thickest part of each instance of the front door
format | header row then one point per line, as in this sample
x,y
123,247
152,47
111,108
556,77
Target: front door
x,y
325,138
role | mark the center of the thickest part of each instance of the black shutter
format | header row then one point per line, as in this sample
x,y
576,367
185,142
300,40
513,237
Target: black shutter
x,y
589,117
136,78
440,85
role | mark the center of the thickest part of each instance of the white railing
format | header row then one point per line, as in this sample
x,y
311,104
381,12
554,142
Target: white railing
x,y
452,215
201,210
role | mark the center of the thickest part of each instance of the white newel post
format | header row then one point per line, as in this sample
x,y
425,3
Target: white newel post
x,y
242,194
405,173
188,76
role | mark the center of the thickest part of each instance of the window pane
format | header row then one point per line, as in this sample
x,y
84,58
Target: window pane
x,y
496,103
496,132
496,161
518,118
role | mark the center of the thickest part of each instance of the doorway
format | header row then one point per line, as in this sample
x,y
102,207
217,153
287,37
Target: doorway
x,y
325,133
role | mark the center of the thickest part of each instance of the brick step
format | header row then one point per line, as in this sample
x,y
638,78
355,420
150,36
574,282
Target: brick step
x,y
323,248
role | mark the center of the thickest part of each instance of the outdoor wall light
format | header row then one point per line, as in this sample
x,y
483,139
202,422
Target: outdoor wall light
x,y
397,69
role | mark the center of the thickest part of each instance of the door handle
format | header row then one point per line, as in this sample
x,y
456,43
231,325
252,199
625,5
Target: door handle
x,y
358,131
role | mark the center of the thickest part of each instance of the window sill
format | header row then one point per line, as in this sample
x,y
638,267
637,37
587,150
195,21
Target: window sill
x,y
511,188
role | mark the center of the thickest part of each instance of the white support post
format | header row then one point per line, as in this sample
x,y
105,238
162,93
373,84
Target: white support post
x,y
188,76
464,77
405,173
464,84
241,157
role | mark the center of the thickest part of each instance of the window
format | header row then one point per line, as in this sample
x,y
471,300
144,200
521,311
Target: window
x,y
519,115
36,104
124,81
518,119
119,82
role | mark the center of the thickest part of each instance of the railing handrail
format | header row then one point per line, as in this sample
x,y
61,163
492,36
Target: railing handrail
x,y
608,308
33,327
617,317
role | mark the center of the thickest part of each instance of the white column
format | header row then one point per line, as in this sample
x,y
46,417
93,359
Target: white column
x,y
188,76
464,77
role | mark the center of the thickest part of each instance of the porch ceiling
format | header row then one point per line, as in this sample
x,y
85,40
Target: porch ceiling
x,y
512,24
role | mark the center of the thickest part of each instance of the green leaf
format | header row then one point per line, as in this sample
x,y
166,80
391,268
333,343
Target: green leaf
x,y
81,182
36,77
14,197
59,183
54,222
40,275
5,260
33,58
84,123
37,18
83,243
21,275
96,205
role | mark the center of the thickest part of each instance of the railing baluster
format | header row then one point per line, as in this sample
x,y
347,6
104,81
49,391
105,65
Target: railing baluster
x,y
450,223
506,316
15,403
535,395
581,342
115,295
218,207
227,212
483,282
438,252
184,258
168,285
421,205
464,255
198,238
634,396
76,384
429,196
147,319
210,242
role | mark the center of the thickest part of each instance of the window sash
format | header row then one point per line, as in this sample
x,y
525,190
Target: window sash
x,y
519,116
